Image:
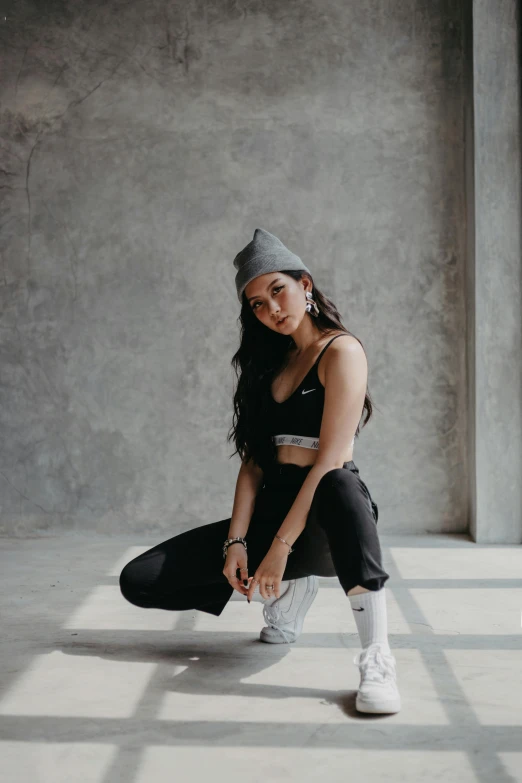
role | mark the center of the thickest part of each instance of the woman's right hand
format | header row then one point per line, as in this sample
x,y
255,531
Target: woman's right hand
x,y
237,558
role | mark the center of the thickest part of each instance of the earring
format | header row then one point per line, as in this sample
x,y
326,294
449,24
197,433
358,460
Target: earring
x,y
311,306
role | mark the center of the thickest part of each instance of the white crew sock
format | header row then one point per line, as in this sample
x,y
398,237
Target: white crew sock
x,y
369,611
256,595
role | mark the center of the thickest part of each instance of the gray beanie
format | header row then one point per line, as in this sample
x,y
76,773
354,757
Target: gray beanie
x,y
265,253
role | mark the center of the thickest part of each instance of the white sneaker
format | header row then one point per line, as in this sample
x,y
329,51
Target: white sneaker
x,y
378,690
285,616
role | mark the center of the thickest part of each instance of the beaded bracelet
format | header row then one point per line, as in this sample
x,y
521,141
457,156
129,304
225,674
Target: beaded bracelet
x,y
230,541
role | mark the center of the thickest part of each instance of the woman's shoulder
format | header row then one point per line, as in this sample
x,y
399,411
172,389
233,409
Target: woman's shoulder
x,y
337,333
322,341
333,346
291,354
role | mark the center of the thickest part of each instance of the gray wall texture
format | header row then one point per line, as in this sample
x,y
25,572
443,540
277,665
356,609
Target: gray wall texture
x,y
494,277
142,144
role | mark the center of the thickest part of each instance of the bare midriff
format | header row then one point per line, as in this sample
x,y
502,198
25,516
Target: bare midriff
x,y
298,455
301,456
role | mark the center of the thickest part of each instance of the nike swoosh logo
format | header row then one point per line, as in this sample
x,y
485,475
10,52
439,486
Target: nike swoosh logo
x,y
307,390
358,610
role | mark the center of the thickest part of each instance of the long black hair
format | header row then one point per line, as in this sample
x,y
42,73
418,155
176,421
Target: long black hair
x,y
262,354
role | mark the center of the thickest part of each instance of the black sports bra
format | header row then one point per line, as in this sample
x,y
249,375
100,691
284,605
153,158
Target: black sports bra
x,y
297,420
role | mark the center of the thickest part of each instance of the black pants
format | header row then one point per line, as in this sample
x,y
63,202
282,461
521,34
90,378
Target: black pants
x,y
340,539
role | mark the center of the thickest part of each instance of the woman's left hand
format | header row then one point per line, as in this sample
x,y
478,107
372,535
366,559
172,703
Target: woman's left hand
x,y
269,572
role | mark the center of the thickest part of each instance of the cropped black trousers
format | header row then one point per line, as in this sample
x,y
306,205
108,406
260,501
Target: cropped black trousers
x,y
340,539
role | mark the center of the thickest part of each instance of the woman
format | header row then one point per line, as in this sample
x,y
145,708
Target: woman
x,y
300,508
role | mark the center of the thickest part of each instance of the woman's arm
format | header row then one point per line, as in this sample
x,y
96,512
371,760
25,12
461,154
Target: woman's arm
x,y
249,480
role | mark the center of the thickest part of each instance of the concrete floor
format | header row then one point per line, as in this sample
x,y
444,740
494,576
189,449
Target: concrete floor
x,y
96,690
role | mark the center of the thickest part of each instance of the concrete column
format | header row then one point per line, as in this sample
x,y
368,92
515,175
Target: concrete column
x,y
494,272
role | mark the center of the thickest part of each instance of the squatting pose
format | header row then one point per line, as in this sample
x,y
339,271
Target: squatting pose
x,y
301,509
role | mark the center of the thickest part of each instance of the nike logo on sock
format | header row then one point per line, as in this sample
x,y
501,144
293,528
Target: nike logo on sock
x,y
358,610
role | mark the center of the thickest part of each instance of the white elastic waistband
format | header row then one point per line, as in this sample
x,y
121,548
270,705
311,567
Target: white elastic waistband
x,y
296,440
299,440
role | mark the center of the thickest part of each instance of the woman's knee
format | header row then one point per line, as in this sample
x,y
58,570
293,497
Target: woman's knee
x,y
343,487
132,584
337,479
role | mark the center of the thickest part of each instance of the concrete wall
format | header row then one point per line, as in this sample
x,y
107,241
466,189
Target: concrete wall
x,y
142,144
